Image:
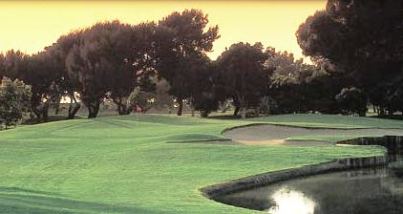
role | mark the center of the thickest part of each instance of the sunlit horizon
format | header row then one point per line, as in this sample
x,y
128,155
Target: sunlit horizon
x,y
30,26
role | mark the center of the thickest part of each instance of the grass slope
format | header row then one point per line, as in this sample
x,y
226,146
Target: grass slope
x,y
330,121
126,165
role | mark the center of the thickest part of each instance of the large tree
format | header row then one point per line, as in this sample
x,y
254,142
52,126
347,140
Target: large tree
x,y
297,87
243,76
139,67
68,85
100,61
363,39
111,59
286,82
37,70
14,64
182,39
44,75
202,79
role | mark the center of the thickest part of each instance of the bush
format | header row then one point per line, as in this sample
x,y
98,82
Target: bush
x,y
352,100
14,101
206,103
141,101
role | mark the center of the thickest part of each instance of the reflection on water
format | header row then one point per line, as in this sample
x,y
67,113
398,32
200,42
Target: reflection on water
x,y
367,191
291,201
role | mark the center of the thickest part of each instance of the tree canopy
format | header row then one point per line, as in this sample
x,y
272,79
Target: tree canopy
x,y
243,75
188,41
363,40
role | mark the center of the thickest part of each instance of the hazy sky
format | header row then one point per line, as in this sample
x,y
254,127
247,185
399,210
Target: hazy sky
x,y
32,25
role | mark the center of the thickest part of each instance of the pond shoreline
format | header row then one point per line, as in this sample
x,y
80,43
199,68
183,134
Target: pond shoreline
x,y
343,164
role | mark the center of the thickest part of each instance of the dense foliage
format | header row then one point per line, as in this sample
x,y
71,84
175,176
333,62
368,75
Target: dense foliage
x,y
243,75
352,101
14,101
182,60
362,40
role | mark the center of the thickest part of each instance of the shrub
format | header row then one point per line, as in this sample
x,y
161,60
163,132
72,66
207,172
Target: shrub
x,y
14,101
352,100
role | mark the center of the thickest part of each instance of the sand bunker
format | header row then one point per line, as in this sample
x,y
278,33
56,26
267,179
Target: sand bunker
x,y
277,135
261,142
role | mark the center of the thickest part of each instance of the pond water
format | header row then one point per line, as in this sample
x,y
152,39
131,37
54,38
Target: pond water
x,y
365,191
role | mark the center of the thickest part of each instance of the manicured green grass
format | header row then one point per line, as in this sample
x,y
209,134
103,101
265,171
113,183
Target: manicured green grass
x,y
328,138
132,164
330,121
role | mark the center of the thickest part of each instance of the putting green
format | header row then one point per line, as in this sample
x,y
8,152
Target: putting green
x,y
147,163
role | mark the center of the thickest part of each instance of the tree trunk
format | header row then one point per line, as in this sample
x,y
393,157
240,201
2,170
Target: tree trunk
x,y
243,112
93,109
381,111
41,111
121,102
45,111
73,109
37,113
192,107
243,107
35,106
193,111
180,108
236,105
123,110
236,111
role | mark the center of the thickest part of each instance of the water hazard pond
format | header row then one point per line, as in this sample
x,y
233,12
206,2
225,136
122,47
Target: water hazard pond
x,y
376,190
366,191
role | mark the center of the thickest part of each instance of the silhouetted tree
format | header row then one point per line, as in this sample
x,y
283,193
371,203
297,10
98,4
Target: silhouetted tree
x,y
68,84
394,96
182,36
14,64
44,74
242,75
284,82
363,40
137,47
296,87
203,86
100,61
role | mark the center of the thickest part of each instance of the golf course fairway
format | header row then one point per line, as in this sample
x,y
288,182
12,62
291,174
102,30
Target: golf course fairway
x,y
150,163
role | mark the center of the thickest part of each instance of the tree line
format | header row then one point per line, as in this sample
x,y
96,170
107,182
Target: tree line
x,y
111,59
356,48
